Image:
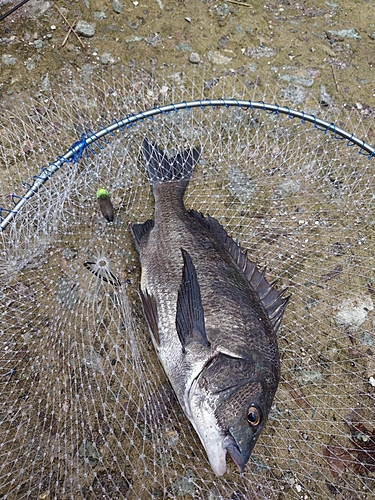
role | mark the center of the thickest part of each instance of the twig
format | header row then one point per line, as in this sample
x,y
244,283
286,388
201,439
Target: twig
x,y
239,3
71,27
334,79
66,38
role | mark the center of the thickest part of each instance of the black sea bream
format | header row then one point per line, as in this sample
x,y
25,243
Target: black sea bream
x,y
212,315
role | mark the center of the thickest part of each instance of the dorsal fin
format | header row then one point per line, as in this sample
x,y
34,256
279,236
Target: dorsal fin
x,y
273,300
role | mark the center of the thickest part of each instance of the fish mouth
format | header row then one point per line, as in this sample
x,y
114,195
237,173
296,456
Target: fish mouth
x,y
229,444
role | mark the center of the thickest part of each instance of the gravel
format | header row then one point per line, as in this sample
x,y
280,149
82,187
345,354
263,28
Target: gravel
x,y
86,29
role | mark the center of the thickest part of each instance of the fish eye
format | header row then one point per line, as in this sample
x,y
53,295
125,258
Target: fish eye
x,y
254,415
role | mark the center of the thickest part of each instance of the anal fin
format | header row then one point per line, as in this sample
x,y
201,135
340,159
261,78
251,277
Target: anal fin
x,y
150,312
190,315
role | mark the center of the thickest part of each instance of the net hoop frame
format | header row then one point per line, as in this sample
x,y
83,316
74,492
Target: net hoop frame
x,y
76,151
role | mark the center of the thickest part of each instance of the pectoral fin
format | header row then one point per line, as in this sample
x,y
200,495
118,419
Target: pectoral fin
x,y
139,231
190,314
151,313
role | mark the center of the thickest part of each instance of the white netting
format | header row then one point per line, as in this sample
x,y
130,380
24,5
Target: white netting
x,y
85,408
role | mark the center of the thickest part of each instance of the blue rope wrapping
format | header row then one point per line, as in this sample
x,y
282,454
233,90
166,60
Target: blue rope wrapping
x,y
104,139
61,160
81,145
144,117
290,116
224,103
15,196
119,127
96,143
350,143
45,171
239,105
332,127
129,125
89,143
316,126
2,209
271,111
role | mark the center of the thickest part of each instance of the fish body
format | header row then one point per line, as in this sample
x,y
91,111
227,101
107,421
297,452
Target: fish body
x,y
212,316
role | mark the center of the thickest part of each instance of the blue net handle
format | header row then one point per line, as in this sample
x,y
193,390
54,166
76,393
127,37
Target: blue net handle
x,y
77,149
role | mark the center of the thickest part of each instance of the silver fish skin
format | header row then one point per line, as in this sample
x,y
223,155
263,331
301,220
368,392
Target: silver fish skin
x,y
212,315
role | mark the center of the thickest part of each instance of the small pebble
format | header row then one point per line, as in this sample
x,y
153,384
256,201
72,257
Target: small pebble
x,y
30,64
288,187
154,39
340,35
164,90
38,44
89,450
107,58
372,35
194,58
134,39
99,15
332,5
353,312
325,98
260,51
294,94
69,254
252,67
8,59
45,83
223,42
183,47
298,80
217,58
184,485
85,29
117,6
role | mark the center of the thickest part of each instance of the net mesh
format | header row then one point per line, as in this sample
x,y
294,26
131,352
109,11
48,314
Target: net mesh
x,y
85,408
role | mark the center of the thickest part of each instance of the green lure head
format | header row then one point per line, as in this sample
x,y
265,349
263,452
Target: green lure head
x,y
101,193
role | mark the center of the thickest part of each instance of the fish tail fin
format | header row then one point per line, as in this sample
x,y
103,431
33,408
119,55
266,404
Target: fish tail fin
x,y
162,169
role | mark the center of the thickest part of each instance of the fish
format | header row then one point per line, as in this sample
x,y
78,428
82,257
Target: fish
x,y
212,315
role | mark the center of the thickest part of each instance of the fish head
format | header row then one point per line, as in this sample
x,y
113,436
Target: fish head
x,y
229,404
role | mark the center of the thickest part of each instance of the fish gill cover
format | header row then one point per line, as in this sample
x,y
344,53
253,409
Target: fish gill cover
x,y
86,410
